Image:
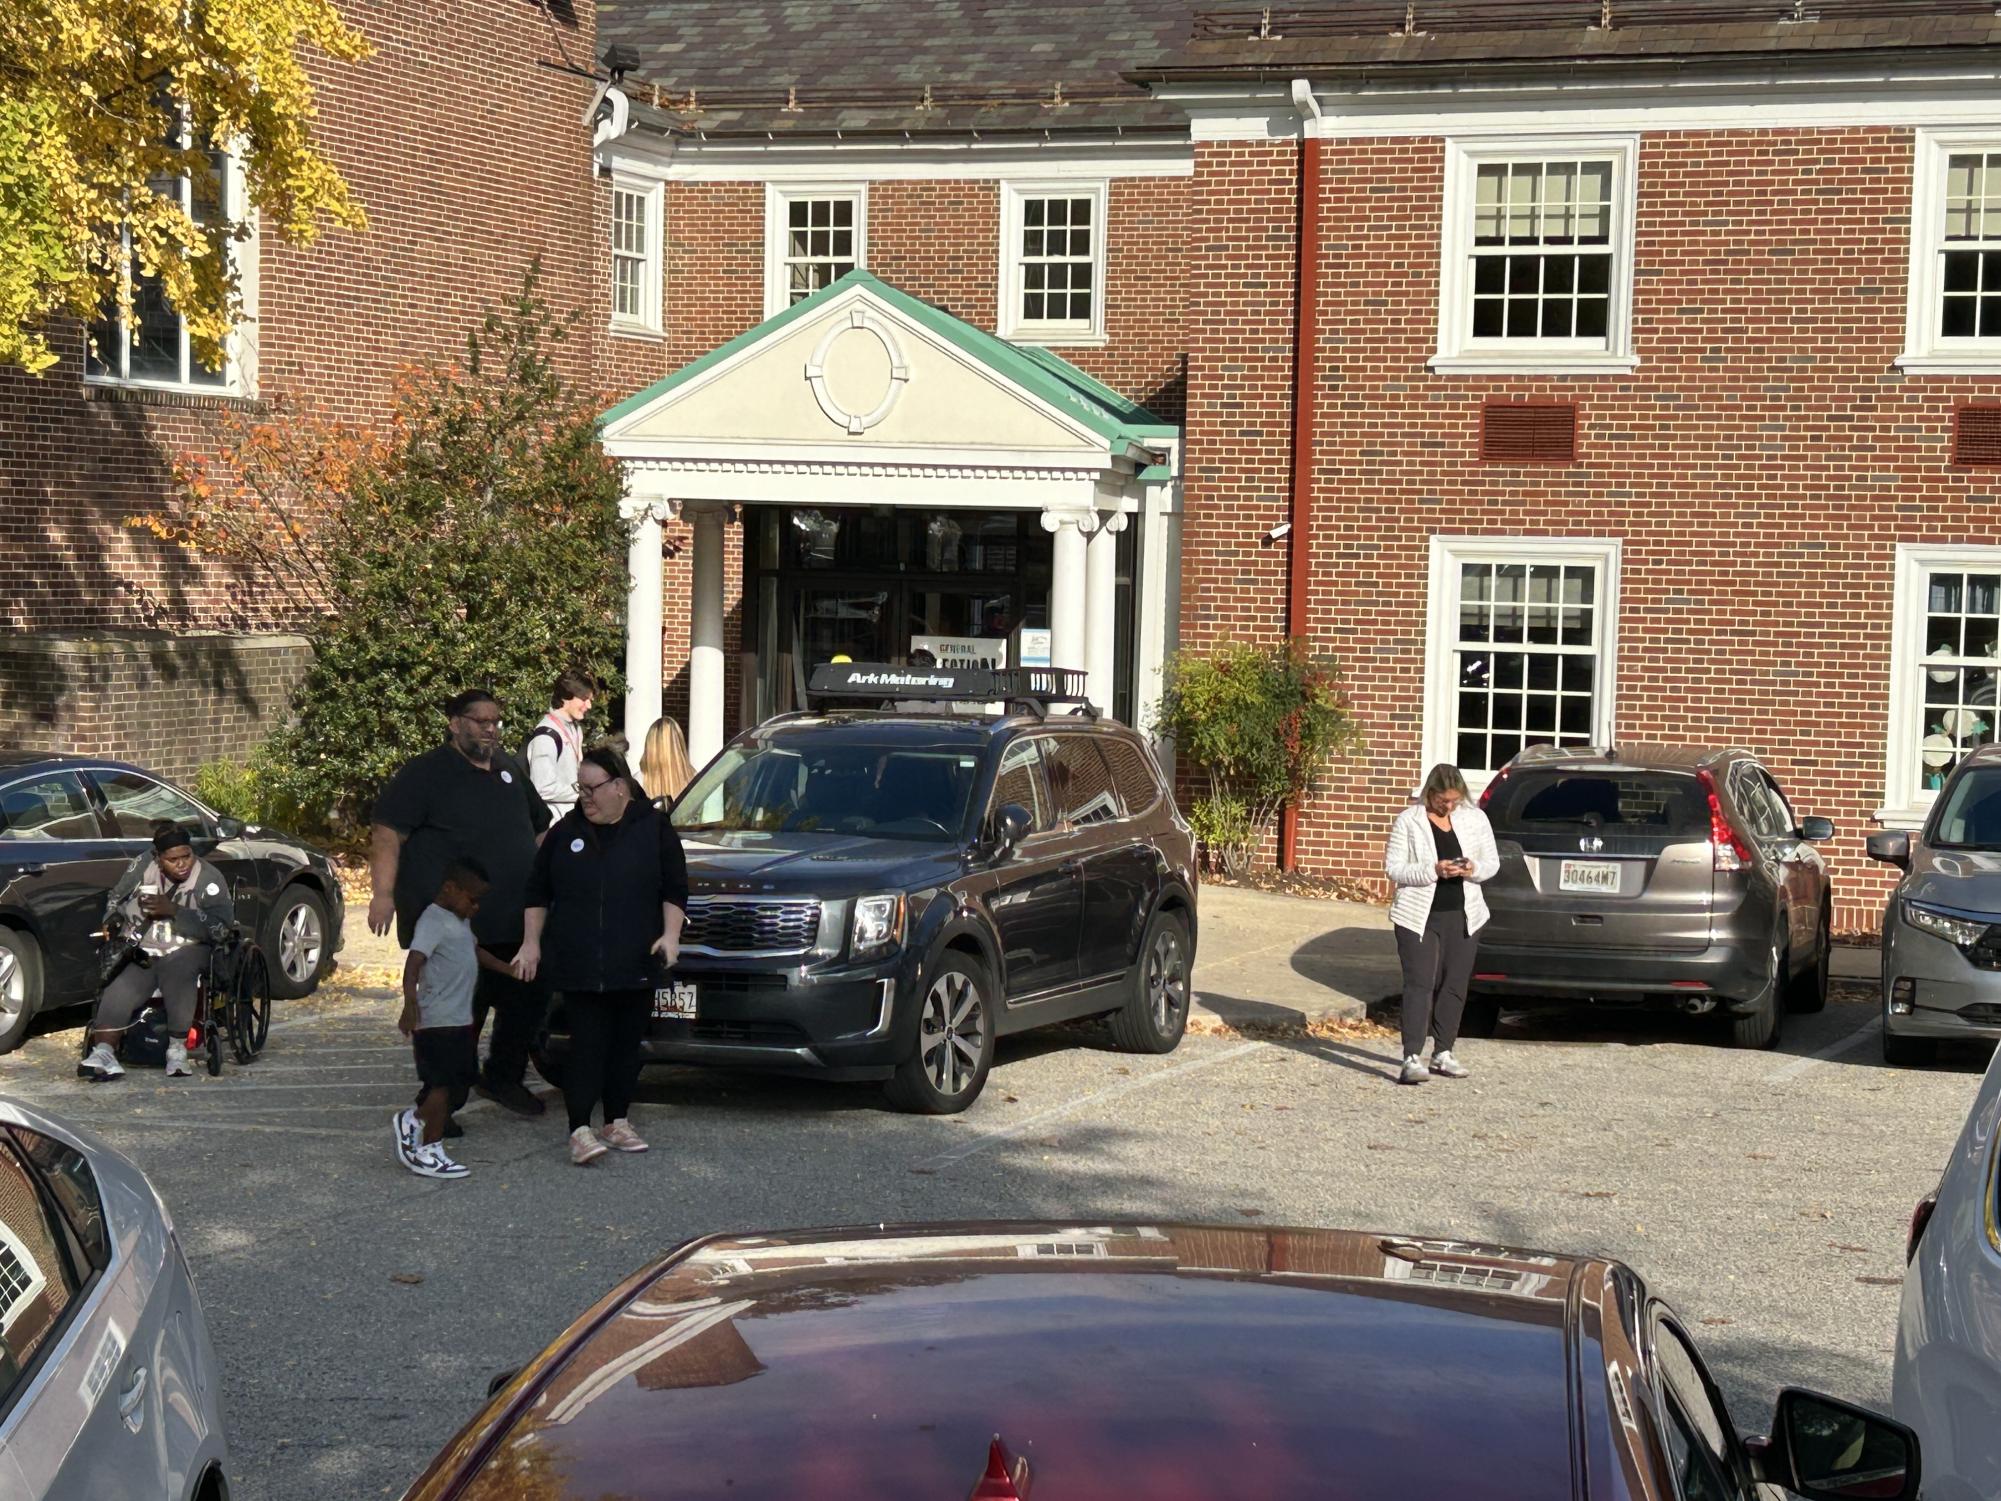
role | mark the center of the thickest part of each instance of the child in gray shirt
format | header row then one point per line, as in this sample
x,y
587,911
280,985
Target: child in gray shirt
x,y
438,978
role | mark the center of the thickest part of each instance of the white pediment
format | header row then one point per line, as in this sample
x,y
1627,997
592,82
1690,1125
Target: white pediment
x,y
854,374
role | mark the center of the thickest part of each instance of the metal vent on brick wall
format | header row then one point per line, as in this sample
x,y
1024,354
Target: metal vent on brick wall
x,y
1976,436
750,925
1522,432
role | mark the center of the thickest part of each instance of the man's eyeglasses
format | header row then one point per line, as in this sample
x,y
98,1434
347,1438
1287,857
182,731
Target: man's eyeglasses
x,y
483,724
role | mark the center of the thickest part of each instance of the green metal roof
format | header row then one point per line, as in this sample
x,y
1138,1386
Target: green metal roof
x,y
1037,371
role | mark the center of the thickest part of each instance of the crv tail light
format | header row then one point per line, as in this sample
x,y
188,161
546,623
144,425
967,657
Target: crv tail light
x,y
1920,1217
1487,792
1728,847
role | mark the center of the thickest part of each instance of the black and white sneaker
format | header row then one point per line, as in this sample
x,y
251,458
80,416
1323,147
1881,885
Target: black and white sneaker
x,y
409,1137
430,1161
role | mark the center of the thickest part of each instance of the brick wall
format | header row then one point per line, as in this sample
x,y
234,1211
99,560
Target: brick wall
x,y
462,141
1760,466
168,702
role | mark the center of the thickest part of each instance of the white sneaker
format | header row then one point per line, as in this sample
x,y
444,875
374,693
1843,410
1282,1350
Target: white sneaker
x,y
100,1064
429,1161
177,1061
409,1136
1446,1066
585,1146
1414,1071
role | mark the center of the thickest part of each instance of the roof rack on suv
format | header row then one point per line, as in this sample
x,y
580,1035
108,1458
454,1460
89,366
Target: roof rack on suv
x,y
1032,689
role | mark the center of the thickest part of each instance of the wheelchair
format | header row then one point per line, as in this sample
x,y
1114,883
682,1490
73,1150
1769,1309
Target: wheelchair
x,y
232,1001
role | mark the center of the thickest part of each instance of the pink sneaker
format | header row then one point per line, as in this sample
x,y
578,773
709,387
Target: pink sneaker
x,y
620,1137
584,1147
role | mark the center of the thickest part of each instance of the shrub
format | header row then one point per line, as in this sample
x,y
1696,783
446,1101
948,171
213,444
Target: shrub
x,y
1259,725
476,542
248,791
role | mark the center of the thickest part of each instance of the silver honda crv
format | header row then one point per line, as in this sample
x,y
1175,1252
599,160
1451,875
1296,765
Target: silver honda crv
x,y
1942,927
1654,875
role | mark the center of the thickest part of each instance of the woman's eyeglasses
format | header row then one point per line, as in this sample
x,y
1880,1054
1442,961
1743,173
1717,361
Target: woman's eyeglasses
x,y
592,789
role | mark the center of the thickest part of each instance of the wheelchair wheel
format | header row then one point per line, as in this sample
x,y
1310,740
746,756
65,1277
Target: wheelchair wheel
x,y
212,1045
250,1007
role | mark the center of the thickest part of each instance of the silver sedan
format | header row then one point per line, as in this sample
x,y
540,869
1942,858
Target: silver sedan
x,y
108,1383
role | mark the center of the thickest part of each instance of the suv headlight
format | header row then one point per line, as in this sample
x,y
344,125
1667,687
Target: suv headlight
x,y
1956,930
877,927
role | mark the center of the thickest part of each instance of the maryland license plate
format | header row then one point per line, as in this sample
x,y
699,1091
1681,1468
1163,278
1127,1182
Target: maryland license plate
x,y
675,1001
1588,875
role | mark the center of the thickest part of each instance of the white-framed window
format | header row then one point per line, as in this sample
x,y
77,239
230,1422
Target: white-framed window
x,y
22,1277
813,236
636,214
1521,648
1052,272
1536,267
1945,669
1953,323
152,348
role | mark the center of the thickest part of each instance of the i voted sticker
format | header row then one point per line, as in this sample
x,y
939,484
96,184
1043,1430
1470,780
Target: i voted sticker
x,y
506,776
576,846
213,889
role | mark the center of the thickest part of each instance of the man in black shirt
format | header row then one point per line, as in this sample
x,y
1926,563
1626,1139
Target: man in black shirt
x,y
468,799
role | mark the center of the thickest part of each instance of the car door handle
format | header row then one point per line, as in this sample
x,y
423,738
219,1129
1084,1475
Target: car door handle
x,y
34,870
131,1406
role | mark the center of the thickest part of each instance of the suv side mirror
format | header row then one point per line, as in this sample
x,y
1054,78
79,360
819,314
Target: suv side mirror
x,y
230,828
1892,847
1011,826
1815,830
1832,1451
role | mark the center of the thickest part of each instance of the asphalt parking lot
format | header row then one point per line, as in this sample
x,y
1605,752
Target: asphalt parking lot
x,y
359,1311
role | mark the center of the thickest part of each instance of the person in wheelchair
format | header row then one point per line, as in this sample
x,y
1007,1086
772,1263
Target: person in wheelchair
x,y
181,908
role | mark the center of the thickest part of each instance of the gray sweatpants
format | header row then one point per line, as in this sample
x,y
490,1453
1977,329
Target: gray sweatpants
x,y
174,975
1436,969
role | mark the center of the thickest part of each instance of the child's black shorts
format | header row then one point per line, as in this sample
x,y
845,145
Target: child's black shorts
x,y
447,1058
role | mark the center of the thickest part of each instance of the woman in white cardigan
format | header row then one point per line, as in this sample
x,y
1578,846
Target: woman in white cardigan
x,y
1441,848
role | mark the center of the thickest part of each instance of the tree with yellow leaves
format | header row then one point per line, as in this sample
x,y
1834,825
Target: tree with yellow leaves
x,y
112,115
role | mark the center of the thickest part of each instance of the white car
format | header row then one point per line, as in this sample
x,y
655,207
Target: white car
x,y
108,1383
1946,1382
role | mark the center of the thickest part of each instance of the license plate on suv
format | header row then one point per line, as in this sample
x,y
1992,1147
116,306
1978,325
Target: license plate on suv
x,y
675,1001
1588,875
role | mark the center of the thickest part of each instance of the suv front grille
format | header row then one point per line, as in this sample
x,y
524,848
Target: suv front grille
x,y
753,926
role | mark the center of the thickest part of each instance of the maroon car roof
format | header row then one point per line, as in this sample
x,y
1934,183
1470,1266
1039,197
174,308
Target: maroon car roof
x,y
1161,1362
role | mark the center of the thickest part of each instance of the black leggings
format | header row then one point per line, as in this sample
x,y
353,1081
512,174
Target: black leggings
x,y
174,974
1436,969
606,1029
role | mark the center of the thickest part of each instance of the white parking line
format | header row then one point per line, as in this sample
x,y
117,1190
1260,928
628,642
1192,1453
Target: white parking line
x,y
1786,1073
1056,1112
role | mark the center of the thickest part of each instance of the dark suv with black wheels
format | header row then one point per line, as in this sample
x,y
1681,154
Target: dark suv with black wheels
x,y
880,895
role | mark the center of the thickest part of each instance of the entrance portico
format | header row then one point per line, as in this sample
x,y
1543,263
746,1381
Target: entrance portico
x,y
896,477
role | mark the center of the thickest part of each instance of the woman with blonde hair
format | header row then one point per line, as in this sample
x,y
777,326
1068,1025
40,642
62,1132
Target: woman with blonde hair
x,y
1440,849
664,768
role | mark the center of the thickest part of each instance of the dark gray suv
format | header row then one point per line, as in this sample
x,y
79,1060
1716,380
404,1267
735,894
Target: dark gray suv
x,y
1942,928
1653,874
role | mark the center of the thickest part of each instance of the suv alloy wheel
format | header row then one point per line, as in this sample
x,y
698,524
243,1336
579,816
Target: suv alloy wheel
x,y
954,1047
1156,1013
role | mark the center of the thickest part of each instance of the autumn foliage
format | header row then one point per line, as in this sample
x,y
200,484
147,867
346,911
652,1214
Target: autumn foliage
x,y
473,540
104,101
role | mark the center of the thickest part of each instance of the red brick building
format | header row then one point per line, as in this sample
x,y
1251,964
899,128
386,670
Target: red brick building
x,y
461,136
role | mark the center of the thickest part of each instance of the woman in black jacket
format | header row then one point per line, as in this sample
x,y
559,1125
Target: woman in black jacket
x,y
606,901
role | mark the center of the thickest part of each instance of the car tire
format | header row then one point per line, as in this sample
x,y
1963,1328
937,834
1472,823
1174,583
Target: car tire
x,y
295,942
1808,991
20,986
1759,1027
1482,1017
1908,1052
1155,1014
954,1047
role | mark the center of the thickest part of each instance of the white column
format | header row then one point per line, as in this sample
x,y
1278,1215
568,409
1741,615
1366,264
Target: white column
x,y
705,639
643,665
1067,584
1101,609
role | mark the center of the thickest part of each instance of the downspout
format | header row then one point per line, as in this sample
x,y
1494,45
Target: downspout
x,y
1299,500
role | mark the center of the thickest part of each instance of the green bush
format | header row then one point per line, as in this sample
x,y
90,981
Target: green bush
x,y
247,791
1260,725
475,542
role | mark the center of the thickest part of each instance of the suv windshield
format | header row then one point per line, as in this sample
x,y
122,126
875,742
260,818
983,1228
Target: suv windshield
x,y
1639,802
879,791
1969,815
